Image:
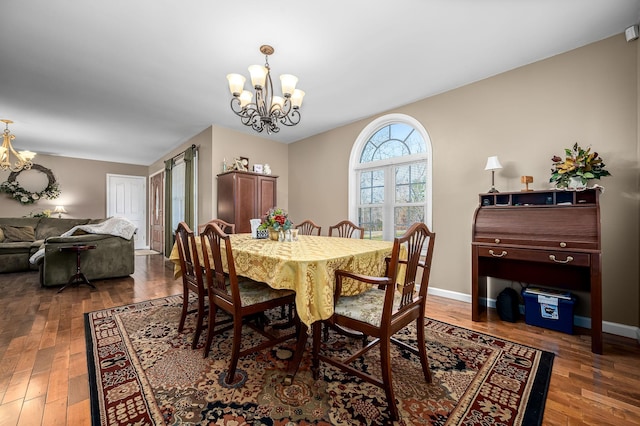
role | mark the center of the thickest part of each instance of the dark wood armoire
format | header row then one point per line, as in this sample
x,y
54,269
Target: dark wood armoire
x,y
245,195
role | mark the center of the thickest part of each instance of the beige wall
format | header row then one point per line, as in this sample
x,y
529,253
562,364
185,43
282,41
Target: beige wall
x,y
525,116
83,185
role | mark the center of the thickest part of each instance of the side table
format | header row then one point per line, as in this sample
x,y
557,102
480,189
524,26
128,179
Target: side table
x,y
78,277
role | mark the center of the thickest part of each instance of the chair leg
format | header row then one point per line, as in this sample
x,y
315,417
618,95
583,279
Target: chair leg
x,y
210,328
199,322
422,350
235,350
315,349
185,308
385,367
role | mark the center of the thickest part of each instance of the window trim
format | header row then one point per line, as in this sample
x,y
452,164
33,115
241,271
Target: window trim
x,y
356,152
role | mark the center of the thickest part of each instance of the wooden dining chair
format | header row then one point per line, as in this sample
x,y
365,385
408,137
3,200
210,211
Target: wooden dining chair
x,y
308,227
384,310
240,298
345,229
228,228
192,279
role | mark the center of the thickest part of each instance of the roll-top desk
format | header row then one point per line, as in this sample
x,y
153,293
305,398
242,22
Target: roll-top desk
x,y
549,238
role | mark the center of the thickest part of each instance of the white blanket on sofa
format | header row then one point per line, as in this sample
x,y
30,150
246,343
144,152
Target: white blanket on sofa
x,y
118,226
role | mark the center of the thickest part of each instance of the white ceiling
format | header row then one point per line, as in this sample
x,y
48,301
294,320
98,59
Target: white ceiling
x,y
127,81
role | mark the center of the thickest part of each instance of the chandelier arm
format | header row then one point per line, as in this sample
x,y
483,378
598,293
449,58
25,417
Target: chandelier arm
x,y
5,163
236,106
249,115
292,118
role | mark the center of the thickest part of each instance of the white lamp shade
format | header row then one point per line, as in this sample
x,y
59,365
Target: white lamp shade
x,y
296,98
277,102
288,82
60,209
493,163
258,75
245,98
27,155
236,83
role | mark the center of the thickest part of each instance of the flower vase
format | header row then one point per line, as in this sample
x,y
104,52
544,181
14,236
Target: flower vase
x,y
575,183
273,234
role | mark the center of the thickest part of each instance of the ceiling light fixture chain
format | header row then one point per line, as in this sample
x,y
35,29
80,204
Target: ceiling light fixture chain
x,y
268,110
24,159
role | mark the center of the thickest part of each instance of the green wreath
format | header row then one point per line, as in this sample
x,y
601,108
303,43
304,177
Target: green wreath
x,y
23,196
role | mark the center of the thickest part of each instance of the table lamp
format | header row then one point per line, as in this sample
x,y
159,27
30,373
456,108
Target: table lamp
x,y
59,210
493,164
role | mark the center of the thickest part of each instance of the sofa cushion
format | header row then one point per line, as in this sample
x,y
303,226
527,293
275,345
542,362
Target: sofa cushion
x,y
20,221
18,233
53,227
15,247
1,235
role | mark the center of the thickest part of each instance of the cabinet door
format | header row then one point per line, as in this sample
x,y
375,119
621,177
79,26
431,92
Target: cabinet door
x,y
267,194
245,202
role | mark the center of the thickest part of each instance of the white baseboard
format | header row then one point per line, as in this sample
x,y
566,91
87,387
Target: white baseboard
x,y
585,322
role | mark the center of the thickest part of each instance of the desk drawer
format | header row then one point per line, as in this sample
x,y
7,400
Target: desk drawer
x,y
545,256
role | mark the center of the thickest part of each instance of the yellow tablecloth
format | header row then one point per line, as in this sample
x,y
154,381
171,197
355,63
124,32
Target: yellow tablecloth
x,y
306,266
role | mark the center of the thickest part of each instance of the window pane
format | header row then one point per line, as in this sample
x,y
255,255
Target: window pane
x,y
372,187
411,183
370,218
415,143
406,216
391,149
377,195
400,131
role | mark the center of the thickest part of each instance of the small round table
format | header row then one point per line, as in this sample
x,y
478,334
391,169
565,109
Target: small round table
x,y
79,277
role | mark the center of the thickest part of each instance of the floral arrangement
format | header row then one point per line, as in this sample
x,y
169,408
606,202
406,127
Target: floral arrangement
x,y
579,163
43,213
26,197
276,219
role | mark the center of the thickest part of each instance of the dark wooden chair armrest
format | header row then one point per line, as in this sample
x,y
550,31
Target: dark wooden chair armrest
x,y
341,273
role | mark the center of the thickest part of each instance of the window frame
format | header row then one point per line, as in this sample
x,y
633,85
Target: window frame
x,y
355,166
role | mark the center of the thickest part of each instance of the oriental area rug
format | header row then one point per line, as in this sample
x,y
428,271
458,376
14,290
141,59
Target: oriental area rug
x,y
143,372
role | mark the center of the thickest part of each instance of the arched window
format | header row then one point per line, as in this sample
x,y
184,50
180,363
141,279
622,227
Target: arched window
x,y
390,177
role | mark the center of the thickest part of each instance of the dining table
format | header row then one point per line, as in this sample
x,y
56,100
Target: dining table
x,y
306,266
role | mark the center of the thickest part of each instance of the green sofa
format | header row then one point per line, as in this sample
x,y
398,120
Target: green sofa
x,y
21,238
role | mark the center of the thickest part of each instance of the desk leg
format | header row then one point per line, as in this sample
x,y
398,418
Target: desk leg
x,y
478,286
596,304
294,363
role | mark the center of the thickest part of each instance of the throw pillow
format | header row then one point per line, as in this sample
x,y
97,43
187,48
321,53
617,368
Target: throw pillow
x,y
18,233
1,235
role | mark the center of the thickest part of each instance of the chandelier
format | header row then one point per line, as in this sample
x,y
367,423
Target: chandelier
x,y
268,111
23,158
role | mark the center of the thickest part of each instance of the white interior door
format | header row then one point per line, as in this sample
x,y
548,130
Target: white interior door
x,y
127,197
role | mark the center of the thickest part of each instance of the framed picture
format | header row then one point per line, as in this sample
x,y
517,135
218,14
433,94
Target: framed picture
x,y
242,164
257,168
245,163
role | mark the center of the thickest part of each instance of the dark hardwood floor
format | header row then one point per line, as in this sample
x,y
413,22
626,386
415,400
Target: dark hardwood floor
x,y
43,367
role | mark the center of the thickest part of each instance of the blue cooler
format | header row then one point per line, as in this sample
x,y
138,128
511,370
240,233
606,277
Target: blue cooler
x,y
549,309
